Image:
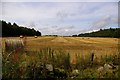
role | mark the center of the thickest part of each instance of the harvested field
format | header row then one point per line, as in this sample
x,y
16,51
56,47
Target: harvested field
x,y
65,53
100,46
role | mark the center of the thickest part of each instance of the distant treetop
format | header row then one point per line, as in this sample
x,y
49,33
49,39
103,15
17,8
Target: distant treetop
x,y
111,32
14,30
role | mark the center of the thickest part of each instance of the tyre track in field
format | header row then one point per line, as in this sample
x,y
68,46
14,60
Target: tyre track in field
x,y
39,43
98,40
75,40
68,44
44,39
85,40
60,40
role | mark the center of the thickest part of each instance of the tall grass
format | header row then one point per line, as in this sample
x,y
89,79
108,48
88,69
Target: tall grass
x,y
55,64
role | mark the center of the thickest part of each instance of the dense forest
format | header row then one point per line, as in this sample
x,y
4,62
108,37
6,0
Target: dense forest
x,y
111,32
14,30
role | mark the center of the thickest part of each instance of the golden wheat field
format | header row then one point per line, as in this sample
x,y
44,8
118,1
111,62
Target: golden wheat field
x,y
70,56
79,45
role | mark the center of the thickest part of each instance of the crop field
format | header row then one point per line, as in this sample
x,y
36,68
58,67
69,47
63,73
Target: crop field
x,y
64,57
81,45
72,44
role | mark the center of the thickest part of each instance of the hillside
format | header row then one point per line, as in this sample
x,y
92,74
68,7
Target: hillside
x,y
112,32
13,30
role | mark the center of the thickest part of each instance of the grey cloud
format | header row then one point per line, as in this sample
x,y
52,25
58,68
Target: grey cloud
x,y
61,15
32,24
60,0
59,30
43,28
84,30
54,26
114,20
102,23
65,27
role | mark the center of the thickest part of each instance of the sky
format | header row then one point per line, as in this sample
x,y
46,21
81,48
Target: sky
x,y
61,17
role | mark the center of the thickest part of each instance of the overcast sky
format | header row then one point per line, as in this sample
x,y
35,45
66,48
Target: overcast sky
x,y
62,18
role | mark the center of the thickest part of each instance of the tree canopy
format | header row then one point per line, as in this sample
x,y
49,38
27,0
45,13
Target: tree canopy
x,y
13,30
111,32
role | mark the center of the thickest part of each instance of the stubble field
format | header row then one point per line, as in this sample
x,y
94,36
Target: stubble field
x,y
79,48
81,45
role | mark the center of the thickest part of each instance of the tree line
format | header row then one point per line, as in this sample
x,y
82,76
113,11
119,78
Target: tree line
x,y
13,30
111,32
